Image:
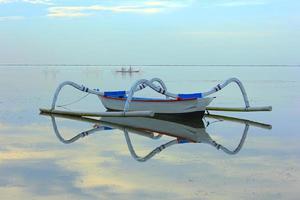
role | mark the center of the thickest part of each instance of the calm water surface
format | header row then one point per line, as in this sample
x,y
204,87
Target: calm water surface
x,y
35,164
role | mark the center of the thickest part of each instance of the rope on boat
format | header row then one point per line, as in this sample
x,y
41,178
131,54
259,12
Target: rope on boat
x,y
138,86
75,85
73,102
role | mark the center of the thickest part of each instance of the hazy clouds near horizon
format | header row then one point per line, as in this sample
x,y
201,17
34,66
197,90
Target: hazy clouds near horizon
x,y
150,32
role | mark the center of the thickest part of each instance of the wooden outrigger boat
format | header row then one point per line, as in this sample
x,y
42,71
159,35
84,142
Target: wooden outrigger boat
x,y
126,104
150,117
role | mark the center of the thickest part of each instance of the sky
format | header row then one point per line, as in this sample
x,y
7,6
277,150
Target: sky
x,y
150,32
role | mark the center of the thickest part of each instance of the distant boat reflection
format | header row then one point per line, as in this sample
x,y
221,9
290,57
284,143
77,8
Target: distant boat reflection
x,y
183,130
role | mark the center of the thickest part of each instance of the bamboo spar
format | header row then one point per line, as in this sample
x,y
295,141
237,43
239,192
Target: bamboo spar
x,y
100,114
240,109
239,120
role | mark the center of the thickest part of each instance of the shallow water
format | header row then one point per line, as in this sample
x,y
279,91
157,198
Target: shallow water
x,y
35,164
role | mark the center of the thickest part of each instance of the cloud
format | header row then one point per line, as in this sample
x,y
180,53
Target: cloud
x,y
31,175
227,34
80,11
6,18
241,3
7,1
45,2
137,7
142,7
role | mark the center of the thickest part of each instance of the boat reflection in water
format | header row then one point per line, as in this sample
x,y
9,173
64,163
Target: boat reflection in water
x,y
184,130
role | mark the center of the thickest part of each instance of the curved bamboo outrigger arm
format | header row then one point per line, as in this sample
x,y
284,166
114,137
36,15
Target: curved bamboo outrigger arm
x,y
151,135
224,84
89,132
238,148
141,84
76,137
162,84
95,92
153,80
162,89
176,141
149,155
75,85
105,126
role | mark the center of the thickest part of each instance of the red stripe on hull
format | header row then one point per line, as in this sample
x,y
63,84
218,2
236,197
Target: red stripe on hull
x,y
150,100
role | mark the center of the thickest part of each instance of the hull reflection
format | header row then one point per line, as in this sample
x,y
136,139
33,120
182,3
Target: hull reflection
x,y
183,130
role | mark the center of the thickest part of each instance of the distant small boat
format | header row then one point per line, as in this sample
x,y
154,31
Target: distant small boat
x,y
129,70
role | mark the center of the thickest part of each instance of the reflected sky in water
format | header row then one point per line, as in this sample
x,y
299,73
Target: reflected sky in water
x,y
34,164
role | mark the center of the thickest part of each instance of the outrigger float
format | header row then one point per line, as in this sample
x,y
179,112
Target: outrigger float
x,y
124,104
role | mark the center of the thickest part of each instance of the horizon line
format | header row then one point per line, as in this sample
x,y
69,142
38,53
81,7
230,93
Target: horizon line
x,y
145,65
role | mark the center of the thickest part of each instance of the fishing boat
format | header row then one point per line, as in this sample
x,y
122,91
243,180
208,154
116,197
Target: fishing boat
x,y
129,70
124,103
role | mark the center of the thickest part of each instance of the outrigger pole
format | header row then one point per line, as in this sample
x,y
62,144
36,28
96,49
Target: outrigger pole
x,y
99,114
241,109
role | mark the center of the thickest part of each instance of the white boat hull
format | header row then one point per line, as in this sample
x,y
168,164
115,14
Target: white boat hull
x,y
157,106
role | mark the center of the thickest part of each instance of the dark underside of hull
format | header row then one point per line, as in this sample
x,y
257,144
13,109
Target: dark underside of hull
x,y
193,119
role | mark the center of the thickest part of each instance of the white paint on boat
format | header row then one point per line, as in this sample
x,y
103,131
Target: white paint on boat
x,y
158,106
